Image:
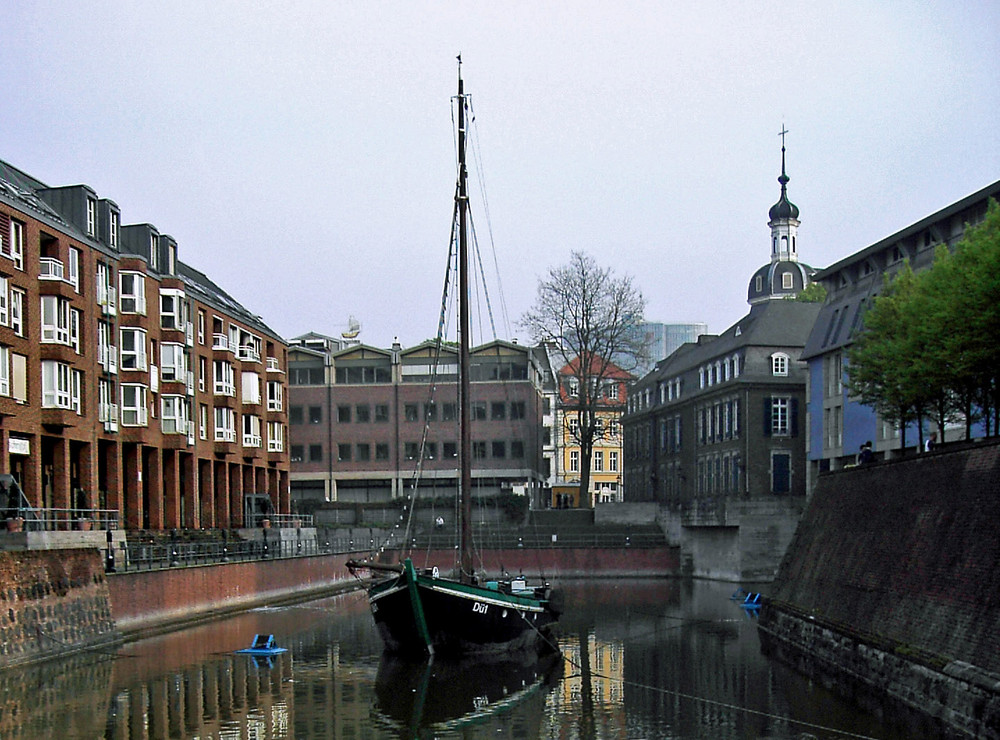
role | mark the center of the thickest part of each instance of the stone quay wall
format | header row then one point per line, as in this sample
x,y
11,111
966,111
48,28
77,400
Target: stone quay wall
x,y
891,586
52,603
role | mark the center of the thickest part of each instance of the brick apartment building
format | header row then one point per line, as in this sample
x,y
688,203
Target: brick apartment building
x,y
362,419
128,380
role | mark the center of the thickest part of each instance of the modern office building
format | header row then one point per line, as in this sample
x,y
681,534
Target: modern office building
x,y
129,381
368,424
837,424
664,339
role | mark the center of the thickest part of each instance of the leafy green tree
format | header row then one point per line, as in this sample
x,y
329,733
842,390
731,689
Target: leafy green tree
x,y
812,293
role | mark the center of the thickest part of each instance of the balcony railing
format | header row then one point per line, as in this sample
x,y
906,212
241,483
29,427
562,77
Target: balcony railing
x,y
50,268
221,341
61,520
272,365
248,353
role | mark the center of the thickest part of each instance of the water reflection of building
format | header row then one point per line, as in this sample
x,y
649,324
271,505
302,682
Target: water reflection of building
x,y
594,679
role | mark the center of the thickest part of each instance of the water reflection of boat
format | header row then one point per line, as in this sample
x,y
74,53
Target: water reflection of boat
x,y
416,695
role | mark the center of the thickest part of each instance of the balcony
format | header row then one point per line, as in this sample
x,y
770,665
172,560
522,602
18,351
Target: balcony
x,y
221,342
51,269
272,365
248,353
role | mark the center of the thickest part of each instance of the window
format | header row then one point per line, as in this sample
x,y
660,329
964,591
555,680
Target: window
x,y
381,451
315,414
55,320
758,284
154,252
779,416
786,281
201,326
449,450
779,363
132,349
113,230
573,387
449,411
251,430
574,427
430,450
172,309
410,412
611,390
172,362
612,461
478,450
498,411
225,424
4,371
381,412
250,388
202,372
781,472
344,414
224,378
19,374
295,415
363,452
275,436
296,453
132,292
275,395
203,421
410,450
574,461
598,461
16,245
499,449
479,411
17,311
173,415
517,449
430,411
73,268
315,453
134,409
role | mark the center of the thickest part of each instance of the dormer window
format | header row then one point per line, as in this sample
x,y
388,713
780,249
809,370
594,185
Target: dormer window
x,y
154,252
779,363
91,217
787,281
758,284
113,231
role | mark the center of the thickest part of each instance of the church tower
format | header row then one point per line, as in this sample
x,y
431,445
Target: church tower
x,y
784,276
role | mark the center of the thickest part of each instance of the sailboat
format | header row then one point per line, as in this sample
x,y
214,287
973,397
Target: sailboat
x,y
421,610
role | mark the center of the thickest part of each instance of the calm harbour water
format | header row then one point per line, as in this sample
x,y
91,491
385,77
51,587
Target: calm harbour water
x,y
640,659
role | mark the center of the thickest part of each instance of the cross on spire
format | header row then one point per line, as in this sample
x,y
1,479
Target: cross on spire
x,y
782,135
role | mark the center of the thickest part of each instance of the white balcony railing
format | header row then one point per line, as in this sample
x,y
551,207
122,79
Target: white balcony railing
x,y
51,269
272,365
249,353
221,341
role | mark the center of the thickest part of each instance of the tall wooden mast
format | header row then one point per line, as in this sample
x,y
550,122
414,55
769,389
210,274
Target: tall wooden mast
x,y
465,386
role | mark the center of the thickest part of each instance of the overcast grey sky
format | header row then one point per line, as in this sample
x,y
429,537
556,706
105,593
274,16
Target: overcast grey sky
x,y
302,154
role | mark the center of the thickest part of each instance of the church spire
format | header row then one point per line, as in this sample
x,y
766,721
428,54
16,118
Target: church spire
x,y
783,217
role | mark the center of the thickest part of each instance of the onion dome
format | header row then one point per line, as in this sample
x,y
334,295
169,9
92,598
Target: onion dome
x,y
784,208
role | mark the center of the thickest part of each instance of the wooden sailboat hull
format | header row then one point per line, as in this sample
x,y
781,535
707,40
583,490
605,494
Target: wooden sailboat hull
x,y
418,613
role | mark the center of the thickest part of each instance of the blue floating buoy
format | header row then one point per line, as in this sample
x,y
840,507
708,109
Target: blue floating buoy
x,y
263,645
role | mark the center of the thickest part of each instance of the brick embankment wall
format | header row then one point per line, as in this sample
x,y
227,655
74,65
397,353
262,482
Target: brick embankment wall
x,y
52,603
892,584
150,600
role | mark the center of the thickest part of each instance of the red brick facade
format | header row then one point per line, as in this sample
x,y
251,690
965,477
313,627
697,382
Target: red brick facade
x,y
110,350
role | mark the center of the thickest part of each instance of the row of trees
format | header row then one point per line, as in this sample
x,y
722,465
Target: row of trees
x,y
931,344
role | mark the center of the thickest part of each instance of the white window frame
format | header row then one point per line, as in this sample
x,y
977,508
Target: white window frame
x,y
251,430
779,364
91,217
134,407
780,410
4,301
275,436
598,463
16,250
275,395
612,461
73,268
250,389
132,357
173,366
574,461
132,300
176,313
4,371
113,230
224,378
173,414
54,320
225,424
56,385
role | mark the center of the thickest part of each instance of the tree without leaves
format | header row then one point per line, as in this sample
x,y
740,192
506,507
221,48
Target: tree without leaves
x,y
589,317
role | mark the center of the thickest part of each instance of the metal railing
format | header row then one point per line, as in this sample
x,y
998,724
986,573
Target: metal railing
x,y
62,520
538,540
